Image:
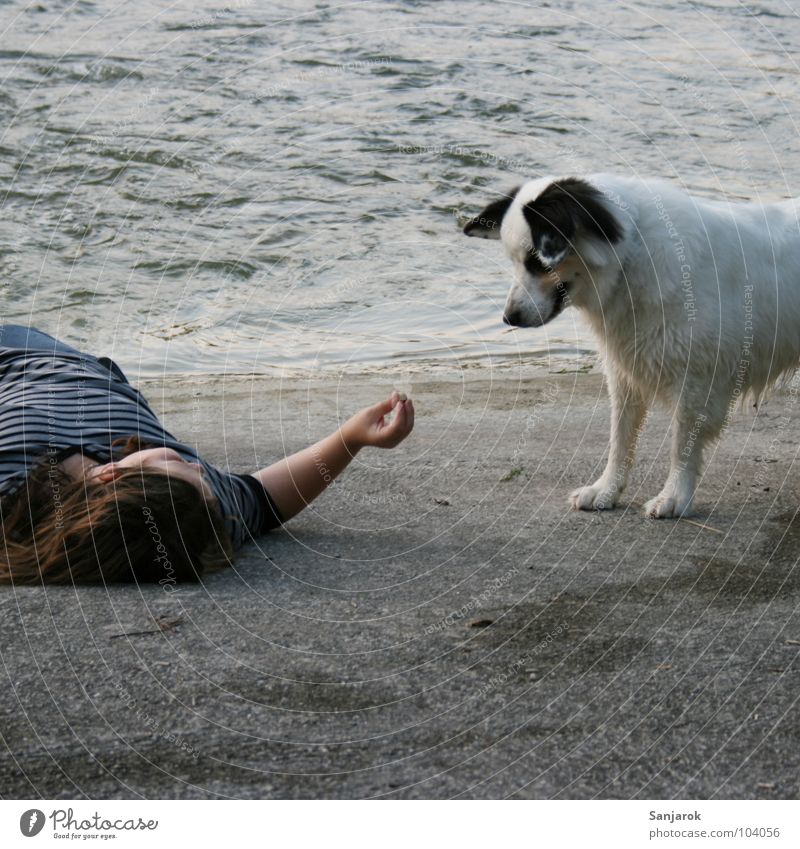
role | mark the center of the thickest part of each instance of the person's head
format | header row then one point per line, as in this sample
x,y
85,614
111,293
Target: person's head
x,y
165,461
147,517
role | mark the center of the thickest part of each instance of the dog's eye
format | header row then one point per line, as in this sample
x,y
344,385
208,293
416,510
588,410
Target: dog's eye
x,y
533,265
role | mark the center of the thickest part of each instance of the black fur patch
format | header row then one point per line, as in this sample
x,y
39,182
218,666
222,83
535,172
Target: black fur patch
x,y
533,265
565,207
492,216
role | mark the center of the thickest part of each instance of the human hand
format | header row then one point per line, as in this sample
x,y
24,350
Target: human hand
x,y
369,427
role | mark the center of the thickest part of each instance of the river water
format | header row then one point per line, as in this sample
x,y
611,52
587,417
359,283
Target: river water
x,y
260,187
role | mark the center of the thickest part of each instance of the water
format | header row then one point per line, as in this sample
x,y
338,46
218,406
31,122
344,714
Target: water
x,y
251,187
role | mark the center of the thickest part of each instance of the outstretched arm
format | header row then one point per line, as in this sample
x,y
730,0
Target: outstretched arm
x,y
295,482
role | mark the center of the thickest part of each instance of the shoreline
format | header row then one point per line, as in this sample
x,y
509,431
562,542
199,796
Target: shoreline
x,y
534,366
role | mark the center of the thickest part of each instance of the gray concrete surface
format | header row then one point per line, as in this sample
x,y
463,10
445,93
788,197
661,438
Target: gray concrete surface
x,y
439,624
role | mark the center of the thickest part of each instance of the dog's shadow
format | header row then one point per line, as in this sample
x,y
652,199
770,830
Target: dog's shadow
x,y
766,572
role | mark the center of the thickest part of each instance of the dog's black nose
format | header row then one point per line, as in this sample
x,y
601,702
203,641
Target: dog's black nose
x,y
512,318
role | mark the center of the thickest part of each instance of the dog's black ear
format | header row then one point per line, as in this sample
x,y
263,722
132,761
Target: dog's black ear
x,y
487,224
562,211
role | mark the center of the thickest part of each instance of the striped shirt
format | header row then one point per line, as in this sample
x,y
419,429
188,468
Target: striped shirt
x,y
55,401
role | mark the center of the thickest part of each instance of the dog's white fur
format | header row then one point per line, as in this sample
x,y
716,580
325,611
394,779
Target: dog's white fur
x,y
696,305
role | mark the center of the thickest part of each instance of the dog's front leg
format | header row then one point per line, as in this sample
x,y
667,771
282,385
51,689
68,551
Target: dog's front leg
x,y
689,433
627,414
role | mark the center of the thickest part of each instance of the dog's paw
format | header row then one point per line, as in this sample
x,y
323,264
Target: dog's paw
x,y
594,497
668,505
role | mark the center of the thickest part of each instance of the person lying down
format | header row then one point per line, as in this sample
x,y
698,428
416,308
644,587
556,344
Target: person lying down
x,y
94,489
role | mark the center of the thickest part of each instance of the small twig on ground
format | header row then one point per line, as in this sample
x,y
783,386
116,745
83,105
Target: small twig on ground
x,y
704,526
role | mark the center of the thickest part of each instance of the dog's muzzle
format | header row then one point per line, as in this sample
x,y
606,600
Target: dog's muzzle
x,y
532,316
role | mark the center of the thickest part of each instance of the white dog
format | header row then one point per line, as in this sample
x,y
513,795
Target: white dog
x,y
695,303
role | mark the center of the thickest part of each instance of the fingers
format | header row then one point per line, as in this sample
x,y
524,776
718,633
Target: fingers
x,y
409,405
408,412
385,433
384,407
399,420
402,423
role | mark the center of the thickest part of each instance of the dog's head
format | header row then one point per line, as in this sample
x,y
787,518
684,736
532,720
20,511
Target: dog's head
x,y
556,231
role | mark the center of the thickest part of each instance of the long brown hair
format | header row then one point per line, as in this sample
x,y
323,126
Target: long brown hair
x,y
142,526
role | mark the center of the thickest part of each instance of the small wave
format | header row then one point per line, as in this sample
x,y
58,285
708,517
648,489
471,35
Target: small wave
x,y
223,268
156,156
